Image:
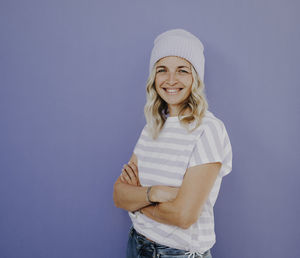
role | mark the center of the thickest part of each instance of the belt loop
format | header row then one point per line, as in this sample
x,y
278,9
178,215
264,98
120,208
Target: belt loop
x,y
154,250
157,254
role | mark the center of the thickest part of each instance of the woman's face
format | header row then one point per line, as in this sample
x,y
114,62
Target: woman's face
x,y
173,81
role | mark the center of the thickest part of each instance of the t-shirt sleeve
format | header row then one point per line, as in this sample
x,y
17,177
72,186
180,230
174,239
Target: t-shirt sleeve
x,y
213,145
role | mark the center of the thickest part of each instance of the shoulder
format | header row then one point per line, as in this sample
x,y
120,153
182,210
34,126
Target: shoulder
x,y
143,130
211,124
211,118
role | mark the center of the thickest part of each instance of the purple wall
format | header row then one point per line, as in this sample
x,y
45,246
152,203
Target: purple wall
x,y
72,92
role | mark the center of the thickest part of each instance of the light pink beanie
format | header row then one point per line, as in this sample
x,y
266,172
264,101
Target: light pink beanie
x,y
179,42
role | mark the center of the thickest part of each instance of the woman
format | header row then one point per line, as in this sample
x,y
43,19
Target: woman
x,y
171,183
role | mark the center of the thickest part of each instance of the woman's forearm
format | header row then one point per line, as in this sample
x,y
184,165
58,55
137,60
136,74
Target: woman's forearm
x,y
187,207
167,213
130,197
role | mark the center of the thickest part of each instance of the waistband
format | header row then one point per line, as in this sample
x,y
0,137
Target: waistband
x,y
163,249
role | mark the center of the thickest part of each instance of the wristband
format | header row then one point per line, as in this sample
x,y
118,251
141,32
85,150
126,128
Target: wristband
x,y
148,198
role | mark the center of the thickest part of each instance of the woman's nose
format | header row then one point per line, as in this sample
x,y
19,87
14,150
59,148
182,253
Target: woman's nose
x,y
171,78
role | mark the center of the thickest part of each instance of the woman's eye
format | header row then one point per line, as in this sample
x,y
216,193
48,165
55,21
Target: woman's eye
x,y
158,71
183,71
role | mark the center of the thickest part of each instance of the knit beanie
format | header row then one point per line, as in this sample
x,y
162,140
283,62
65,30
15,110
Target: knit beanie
x,y
179,42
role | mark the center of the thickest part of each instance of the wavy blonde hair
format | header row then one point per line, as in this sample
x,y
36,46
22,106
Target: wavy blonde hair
x,y
156,108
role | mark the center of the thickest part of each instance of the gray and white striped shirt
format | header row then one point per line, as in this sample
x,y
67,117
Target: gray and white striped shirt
x,y
165,160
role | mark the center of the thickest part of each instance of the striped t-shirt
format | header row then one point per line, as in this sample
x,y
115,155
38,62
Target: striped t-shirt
x,y
165,160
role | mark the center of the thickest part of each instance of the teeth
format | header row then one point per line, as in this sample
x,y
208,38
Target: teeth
x,y
168,90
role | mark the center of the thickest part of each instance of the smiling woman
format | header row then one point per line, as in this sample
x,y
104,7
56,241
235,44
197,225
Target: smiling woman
x,y
173,81
171,183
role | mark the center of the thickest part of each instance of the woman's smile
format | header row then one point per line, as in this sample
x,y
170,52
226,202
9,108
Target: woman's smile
x,y
172,91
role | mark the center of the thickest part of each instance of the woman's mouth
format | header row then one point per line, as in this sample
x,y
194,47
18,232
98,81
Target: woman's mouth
x,y
172,91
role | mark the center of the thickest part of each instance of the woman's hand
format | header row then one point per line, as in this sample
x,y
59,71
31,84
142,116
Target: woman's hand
x,y
130,175
163,193
158,193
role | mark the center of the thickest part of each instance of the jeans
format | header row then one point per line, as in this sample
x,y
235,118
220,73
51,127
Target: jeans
x,y
139,246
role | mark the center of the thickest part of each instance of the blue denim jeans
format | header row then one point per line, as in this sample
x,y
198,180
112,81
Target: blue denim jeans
x,y
139,246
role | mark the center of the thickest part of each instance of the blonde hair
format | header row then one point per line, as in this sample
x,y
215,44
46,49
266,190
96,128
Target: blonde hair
x,y
156,108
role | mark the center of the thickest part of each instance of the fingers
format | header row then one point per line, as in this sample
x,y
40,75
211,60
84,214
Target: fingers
x,y
125,177
136,171
128,175
122,178
134,167
129,172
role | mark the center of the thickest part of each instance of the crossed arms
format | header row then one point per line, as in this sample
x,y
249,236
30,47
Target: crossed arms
x,y
179,206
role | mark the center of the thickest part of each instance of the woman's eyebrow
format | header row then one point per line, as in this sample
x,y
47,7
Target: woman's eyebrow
x,y
183,66
163,66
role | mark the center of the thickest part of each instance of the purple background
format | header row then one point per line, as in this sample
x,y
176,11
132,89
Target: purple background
x,y
72,92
